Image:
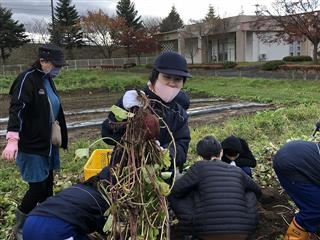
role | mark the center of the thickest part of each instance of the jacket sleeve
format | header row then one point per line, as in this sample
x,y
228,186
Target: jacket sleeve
x,y
187,182
250,185
182,140
111,128
21,93
183,100
246,158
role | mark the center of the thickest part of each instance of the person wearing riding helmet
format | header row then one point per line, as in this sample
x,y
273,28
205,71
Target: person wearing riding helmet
x,y
165,83
34,106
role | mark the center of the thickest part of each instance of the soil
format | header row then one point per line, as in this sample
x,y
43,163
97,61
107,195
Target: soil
x,y
272,215
99,98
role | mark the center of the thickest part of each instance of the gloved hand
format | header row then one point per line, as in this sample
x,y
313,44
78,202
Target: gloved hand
x,y
317,128
130,99
159,146
11,150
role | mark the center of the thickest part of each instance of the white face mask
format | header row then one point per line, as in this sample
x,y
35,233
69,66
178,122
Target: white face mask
x,y
166,93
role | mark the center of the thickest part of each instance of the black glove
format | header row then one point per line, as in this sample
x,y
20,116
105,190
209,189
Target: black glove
x,y
317,128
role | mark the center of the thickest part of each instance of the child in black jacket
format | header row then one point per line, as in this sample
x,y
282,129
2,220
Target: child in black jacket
x,y
215,200
236,151
71,214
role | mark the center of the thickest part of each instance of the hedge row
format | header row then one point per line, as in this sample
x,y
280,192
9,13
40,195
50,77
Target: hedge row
x,y
272,65
299,67
297,59
213,66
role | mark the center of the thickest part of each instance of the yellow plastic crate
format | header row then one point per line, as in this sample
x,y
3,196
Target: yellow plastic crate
x,y
98,160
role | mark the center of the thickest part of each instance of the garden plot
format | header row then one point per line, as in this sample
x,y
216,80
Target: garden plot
x,y
86,110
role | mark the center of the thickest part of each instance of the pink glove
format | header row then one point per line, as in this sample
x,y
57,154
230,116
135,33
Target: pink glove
x,y
11,150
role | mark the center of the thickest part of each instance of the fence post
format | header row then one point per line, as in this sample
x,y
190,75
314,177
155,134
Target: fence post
x,y
75,64
146,60
293,74
3,69
20,67
88,63
113,61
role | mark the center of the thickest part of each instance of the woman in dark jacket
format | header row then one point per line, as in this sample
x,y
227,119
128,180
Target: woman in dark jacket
x,y
215,200
34,106
165,83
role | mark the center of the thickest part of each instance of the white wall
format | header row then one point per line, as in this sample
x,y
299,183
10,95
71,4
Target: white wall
x,y
273,51
193,46
249,47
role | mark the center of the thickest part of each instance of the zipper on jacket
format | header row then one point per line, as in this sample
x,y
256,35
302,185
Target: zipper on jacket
x,y
50,123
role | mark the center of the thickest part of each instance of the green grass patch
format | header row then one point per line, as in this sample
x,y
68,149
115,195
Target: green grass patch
x,y
88,79
253,89
257,89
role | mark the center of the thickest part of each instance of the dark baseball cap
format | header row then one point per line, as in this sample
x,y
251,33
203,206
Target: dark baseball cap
x,y
172,63
53,54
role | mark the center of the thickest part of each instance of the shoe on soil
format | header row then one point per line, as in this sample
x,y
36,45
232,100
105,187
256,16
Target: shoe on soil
x,y
296,232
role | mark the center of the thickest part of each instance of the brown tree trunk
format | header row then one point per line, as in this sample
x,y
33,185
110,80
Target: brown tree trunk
x,y
3,56
110,53
315,52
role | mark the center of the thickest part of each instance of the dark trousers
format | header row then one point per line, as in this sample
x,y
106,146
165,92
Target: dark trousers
x,y
37,193
225,237
50,228
307,199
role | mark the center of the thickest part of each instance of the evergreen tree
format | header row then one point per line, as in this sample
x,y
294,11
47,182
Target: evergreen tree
x,y
126,10
66,30
12,34
211,15
171,22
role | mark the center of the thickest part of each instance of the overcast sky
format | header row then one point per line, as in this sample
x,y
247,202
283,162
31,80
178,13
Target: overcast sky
x,y
26,10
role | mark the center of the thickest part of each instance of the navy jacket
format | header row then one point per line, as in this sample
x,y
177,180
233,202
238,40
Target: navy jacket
x,y
29,113
172,113
214,197
81,205
183,99
299,161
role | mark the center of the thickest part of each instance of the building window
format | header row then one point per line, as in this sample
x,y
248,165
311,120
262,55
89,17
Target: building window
x,y
294,49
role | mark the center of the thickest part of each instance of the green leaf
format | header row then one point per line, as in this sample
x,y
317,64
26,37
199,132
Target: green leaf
x,y
166,159
166,175
108,225
163,187
120,113
81,153
145,175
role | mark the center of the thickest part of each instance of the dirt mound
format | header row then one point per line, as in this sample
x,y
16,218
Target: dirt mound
x,y
274,215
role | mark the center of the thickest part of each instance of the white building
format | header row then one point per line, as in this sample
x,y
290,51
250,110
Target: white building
x,y
233,39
